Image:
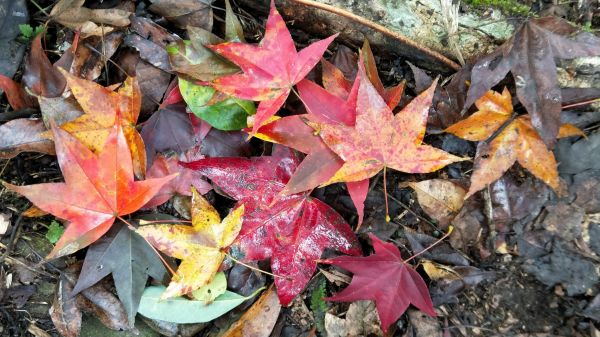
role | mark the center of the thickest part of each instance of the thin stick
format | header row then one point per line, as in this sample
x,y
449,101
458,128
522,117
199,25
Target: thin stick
x,y
381,29
255,269
151,246
146,222
432,245
581,103
385,196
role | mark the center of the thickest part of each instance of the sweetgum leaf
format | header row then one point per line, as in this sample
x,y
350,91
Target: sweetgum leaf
x,y
292,231
98,187
385,278
530,56
130,260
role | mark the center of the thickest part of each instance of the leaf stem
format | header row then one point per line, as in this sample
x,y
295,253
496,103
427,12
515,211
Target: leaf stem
x,y
254,268
431,245
581,103
162,259
385,196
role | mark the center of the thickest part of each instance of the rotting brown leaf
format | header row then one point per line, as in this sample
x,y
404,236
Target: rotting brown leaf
x,y
260,319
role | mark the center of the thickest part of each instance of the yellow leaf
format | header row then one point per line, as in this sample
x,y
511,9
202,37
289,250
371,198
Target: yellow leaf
x,y
199,246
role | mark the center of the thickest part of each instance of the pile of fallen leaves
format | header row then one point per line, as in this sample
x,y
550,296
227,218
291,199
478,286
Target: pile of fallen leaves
x,y
120,176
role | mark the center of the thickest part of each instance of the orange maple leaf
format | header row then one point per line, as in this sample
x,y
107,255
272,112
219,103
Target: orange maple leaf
x,y
103,108
517,142
97,189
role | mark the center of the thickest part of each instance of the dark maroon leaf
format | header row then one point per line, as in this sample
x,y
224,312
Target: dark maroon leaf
x,y
218,143
168,129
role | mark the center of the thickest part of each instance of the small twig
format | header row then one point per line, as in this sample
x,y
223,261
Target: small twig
x,y
489,215
581,103
21,113
414,213
501,128
381,29
256,269
431,245
39,7
385,196
13,237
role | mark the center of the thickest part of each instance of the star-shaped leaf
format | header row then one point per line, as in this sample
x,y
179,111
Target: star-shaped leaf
x,y
130,260
380,139
292,231
270,69
517,142
104,108
98,188
198,246
385,278
530,56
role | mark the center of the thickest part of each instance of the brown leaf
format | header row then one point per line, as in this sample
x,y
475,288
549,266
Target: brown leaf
x,y
40,76
530,56
88,63
183,13
64,312
440,199
23,135
59,109
72,14
17,97
260,319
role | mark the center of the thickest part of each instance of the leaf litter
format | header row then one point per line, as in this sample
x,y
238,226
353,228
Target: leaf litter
x,y
352,121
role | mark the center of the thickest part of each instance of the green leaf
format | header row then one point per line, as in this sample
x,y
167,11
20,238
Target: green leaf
x,y
214,289
26,30
55,231
227,113
318,305
181,310
233,27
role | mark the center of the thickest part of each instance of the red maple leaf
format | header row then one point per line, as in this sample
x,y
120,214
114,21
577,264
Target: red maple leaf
x,y
97,189
292,231
270,69
385,278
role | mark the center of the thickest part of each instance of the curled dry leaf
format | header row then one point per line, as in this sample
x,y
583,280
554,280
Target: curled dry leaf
x,y
17,97
72,14
517,142
259,320
200,246
440,199
184,13
24,135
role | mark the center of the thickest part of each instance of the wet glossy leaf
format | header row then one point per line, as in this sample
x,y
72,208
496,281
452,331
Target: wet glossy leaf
x,y
385,278
130,260
292,231
270,69
219,110
517,142
181,310
200,246
97,188
530,56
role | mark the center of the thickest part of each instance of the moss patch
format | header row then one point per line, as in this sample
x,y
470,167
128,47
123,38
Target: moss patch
x,y
512,7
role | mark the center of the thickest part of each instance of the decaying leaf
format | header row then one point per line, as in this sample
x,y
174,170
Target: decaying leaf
x,y
260,319
184,13
517,142
385,278
40,75
97,188
23,135
440,199
72,14
17,97
530,56
129,259
198,246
